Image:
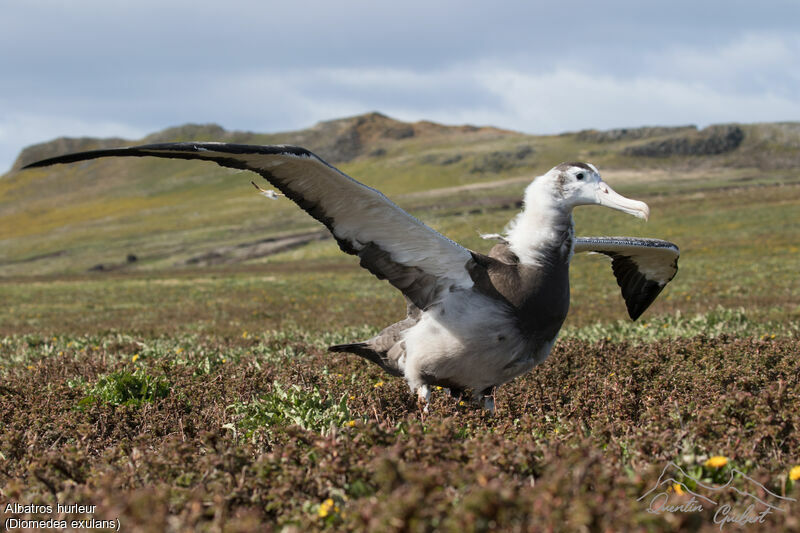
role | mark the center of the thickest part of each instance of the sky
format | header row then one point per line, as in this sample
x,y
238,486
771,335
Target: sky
x,y
103,68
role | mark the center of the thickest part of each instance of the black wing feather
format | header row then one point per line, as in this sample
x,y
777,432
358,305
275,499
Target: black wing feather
x,y
642,267
637,290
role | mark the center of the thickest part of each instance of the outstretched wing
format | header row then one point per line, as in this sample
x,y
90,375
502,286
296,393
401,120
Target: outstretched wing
x,y
390,243
643,267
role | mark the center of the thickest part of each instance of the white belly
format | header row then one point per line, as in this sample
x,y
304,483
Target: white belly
x,y
470,340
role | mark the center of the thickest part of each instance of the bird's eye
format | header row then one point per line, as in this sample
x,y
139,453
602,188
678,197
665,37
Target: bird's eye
x,y
579,175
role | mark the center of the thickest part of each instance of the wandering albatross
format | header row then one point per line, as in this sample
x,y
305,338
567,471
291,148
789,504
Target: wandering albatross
x,y
474,321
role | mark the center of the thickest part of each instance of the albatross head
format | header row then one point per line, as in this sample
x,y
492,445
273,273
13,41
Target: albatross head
x,y
573,184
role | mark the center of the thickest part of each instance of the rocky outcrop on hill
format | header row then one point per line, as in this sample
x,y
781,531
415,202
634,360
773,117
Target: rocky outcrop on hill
x,y
347,138
712,140
631,134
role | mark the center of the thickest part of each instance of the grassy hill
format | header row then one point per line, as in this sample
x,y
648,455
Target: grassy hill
x,y
72,218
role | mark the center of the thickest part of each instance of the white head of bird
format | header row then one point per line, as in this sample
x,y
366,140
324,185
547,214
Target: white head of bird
x,y
549,200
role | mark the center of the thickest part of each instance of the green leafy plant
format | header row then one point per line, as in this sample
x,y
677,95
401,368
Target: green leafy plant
x,y
287,406
127,388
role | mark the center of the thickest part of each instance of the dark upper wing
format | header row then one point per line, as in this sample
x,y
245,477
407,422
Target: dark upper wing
x,y
391,243
642,267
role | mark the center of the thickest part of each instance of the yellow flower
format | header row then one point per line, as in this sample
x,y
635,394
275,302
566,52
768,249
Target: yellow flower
x,y
794,473
461,402
178,350
378,384
352,397
135,358
326,507
351,423
718,461
438,387
244,334
224,360
676,487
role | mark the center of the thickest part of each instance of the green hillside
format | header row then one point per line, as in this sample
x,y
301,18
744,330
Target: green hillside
x,y
100,214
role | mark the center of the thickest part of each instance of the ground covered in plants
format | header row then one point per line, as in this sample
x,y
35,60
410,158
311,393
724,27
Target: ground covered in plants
x,y
268,431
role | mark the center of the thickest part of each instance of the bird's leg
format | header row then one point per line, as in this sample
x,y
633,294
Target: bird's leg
x,y
485,399
488,403
456,393
424,398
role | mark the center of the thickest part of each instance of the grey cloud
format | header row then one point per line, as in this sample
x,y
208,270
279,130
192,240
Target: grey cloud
x,y
273,65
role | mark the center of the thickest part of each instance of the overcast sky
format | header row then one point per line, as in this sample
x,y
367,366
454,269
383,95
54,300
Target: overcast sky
x,y
128,68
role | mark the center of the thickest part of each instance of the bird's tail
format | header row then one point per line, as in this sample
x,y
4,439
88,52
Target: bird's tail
x,y
362,349
359,348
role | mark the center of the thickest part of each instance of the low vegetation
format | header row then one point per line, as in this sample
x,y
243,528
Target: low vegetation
x,y
262,431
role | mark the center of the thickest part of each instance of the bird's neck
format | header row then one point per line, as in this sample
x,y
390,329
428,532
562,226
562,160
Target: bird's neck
x,y
542,233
